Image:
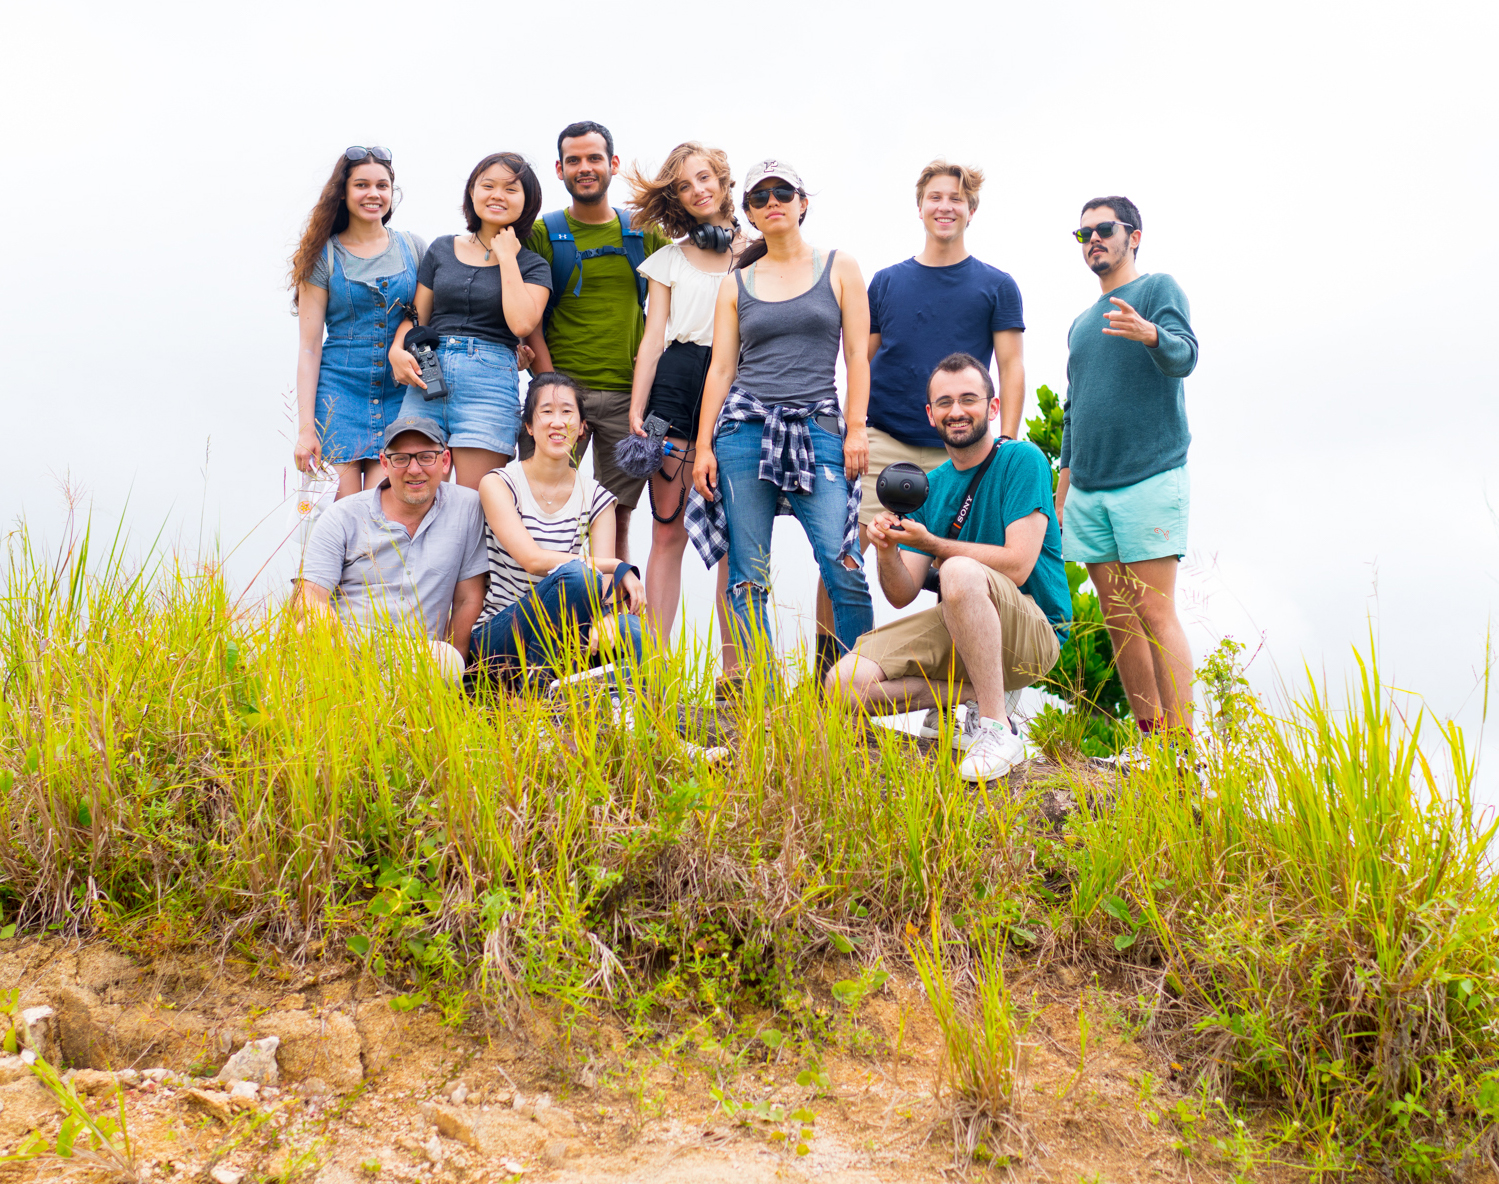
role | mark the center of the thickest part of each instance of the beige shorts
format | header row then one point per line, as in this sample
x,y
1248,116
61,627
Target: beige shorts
x,y
919,646
608,416
885,449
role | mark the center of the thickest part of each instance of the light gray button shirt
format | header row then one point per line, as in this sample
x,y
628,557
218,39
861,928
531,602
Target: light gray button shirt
x,y
378,575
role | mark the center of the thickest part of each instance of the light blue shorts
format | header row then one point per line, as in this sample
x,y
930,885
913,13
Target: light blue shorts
x,y
482,409
1147,520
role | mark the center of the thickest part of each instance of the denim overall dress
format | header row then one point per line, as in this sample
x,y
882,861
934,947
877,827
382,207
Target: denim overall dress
x,y
357,395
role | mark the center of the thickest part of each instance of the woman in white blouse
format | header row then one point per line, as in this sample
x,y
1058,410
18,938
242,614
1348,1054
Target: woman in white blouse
x,y
691,199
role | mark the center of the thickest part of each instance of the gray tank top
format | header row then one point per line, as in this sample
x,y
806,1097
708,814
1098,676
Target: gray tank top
x,y
788,349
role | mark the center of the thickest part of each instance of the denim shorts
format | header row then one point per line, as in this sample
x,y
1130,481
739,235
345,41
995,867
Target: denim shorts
x,y
1146,520
482,407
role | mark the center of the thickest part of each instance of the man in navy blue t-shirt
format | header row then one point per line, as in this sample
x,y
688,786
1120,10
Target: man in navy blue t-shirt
x,y
941,302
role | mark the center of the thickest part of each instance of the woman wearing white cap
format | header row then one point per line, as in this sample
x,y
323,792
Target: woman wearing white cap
x,y
772,437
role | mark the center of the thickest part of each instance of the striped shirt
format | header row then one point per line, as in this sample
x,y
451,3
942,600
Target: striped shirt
x,y
565,530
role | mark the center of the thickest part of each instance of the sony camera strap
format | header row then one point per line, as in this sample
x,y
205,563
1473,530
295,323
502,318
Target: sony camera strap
x,y
973,485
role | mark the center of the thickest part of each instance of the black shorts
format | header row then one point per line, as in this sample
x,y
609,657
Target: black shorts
x,y
677,393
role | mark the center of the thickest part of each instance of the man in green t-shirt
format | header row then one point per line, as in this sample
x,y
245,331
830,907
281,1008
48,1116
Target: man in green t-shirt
x,y
595,334
1005,607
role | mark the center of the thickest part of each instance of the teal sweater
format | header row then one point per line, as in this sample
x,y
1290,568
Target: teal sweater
x,y
1126,413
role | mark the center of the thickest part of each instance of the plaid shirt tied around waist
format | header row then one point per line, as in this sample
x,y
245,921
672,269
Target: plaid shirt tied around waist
x,y
786,461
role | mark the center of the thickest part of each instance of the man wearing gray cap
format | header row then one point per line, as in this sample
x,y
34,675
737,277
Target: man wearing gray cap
x,y
410,551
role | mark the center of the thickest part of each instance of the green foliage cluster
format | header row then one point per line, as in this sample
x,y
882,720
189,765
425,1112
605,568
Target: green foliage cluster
x,y
1084,677
1312,911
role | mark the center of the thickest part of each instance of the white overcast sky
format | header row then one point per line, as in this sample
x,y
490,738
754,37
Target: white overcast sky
x,y
1317,176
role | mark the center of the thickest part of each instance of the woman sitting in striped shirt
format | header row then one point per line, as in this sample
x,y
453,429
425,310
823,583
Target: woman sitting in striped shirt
x,y
555,587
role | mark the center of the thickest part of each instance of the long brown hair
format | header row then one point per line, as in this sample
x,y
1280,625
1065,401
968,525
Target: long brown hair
x,y
657,201
329,217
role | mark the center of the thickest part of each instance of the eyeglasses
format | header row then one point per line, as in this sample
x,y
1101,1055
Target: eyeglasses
x,y
760,198
357,153
968,402
402,460
1104,229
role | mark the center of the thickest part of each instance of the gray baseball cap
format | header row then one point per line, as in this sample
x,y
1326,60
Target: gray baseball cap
x,y
416,423
773,168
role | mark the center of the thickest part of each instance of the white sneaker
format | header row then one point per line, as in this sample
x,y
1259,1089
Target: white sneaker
x,y
966,731
621,715
995,750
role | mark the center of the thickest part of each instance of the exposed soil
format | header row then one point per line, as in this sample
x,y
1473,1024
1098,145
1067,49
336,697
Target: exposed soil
x,y
362,1084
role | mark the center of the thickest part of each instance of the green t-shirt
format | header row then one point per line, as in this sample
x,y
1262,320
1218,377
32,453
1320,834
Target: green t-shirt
x,y
595,335
1017,484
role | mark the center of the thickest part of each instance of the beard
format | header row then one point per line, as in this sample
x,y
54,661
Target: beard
x,y
967,437
587,199
1101,263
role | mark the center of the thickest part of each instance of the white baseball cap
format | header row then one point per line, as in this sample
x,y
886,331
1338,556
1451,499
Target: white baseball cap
x,y
778,169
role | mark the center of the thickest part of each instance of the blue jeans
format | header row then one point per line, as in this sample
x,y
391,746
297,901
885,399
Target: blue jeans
x,y
750,506
567,598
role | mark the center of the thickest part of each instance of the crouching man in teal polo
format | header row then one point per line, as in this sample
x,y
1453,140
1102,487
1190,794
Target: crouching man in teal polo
x,y
988,525
1123,484
408,552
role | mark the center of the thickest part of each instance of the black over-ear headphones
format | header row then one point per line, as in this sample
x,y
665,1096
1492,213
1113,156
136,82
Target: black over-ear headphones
x,y
712,238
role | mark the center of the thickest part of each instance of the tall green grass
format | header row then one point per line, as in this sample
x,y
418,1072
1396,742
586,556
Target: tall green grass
x,y
1313,917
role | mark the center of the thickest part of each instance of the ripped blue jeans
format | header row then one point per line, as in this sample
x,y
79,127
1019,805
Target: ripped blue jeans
x,y
750,508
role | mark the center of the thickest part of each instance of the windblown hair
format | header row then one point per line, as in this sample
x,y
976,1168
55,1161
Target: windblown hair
x,y
1124,210
533,394
329,217
657,200
757,249
970,181
956,364
521,169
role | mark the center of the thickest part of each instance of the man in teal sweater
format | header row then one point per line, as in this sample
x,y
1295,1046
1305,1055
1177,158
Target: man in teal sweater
x,y
1124,460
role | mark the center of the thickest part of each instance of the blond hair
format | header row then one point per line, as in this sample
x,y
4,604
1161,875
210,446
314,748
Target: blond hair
x,y
656,199
970,181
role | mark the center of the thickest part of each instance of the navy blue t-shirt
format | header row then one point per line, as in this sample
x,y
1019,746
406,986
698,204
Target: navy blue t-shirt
x,y
1017,484
922,314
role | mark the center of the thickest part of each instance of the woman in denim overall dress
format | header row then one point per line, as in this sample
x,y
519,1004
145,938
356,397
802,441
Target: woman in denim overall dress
x,y
351,276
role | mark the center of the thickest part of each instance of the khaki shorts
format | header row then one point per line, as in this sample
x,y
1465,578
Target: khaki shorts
x,y
607,414
885,449
919,646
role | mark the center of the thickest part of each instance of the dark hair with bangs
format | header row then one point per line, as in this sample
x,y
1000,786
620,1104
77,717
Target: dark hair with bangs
x,y
521,169
533,394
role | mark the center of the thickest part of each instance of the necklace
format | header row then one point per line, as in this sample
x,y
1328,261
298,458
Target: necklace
x,y
557,494
474,238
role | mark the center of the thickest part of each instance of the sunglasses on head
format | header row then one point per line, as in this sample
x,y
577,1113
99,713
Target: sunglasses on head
x,y
760,198
1104,229
357,153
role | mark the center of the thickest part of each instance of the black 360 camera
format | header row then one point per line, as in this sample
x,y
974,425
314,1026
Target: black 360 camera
x,y
902,488
421,343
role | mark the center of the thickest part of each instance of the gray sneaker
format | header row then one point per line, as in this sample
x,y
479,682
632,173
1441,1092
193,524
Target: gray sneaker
x,y
965,733
931,724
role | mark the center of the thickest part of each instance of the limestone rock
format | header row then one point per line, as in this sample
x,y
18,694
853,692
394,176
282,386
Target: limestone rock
x,y
557,1150
24,1105
379,1035
255,1062
93,1082
13,1068
226,1175
557,1121
325,1046
451,1123
210,1102
38,1032
83,1041
504,1133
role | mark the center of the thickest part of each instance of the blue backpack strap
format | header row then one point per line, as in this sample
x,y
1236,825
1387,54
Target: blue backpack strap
x,y
564,259
634,241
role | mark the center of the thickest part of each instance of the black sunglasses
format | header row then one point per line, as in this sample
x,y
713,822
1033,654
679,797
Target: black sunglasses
x,y
1104,229
358,153
760,198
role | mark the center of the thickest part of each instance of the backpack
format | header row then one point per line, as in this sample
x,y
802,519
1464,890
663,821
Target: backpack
x,y
566,256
